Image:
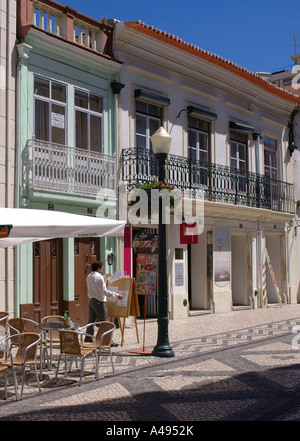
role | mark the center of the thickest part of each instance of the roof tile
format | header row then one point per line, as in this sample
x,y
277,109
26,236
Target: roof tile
x,y
213,58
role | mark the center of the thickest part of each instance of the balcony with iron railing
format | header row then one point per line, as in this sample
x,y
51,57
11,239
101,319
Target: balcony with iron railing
x,y
68,170
213,182
65,23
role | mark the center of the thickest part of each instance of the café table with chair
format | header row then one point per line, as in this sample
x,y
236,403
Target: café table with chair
x,y
50,326
22,337
72,344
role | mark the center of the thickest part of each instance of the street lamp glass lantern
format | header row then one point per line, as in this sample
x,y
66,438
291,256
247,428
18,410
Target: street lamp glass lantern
x,y
161,141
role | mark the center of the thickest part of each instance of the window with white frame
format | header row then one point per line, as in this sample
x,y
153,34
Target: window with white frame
x,y
148,118
199,140
88,121
198,150
50,110
270,158
238,150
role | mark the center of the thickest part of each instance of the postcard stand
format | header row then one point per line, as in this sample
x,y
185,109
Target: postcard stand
x,y
126,307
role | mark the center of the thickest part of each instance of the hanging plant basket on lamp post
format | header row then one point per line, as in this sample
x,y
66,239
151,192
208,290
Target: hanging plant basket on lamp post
x,y
175,193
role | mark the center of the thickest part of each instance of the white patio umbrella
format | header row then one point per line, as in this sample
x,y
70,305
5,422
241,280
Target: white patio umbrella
x,y
23,225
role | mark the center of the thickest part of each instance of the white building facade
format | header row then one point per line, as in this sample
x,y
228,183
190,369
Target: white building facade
x,y
230,137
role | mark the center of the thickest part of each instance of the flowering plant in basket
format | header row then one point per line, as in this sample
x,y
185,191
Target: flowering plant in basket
x,y
175,193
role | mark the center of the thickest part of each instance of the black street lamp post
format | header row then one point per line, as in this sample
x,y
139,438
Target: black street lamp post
x,y
161,145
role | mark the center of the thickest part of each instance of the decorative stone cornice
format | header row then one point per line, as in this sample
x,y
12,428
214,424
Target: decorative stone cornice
x,y
23,51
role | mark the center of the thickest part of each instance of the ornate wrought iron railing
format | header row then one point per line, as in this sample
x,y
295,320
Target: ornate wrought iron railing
x,y
215,182
49,166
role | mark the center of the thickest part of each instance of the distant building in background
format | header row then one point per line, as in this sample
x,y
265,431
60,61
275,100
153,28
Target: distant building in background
x,y
287,79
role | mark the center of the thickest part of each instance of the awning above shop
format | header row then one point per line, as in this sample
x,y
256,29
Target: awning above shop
x,y
22,225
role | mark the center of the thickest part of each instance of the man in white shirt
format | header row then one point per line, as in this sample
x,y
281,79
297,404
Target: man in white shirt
x,y
98,293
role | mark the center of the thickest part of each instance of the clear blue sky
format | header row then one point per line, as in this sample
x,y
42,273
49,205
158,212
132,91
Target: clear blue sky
x,y
256,34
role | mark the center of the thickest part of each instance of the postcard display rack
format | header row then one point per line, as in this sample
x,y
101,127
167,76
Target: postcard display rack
x,y
128,306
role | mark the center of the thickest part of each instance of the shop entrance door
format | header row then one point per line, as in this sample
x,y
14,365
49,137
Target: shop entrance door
x,y
47,278
86,251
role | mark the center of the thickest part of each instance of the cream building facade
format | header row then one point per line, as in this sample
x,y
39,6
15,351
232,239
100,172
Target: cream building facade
x,y
230,137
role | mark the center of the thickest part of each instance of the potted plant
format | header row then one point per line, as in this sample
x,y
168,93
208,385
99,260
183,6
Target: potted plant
x,y
175,193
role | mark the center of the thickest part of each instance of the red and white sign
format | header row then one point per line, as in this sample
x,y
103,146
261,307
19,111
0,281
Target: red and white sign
x,y
188,233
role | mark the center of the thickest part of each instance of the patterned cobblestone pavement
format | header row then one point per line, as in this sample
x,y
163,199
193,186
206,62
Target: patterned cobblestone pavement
x,y
238,366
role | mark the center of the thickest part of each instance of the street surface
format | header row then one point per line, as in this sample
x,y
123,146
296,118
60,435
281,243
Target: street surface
x,y
238,366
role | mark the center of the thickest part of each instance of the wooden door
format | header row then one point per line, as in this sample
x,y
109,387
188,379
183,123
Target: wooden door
x,y
86,251
47,278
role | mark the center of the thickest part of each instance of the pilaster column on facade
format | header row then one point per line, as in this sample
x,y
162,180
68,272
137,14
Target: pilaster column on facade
x,y
177,254
260,155
24,275
108,248
222,278
69,269
255,268
22,134
258,264
22,93
292,261
262,274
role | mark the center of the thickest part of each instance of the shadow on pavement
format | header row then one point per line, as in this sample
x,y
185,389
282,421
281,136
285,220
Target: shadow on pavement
x,y
252,396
